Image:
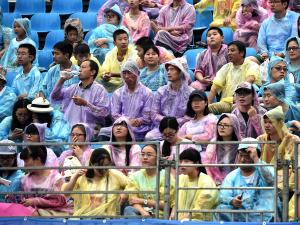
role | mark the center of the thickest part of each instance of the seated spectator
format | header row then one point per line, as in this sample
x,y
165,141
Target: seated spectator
x,y
26,84
114,59
101,41
12,127
136,20
97,180
152,7
265,4
62,52
122,5
7,98
5,36
203,125
144,204
73,31
275,30
133,101
145,43
22,30
248,19
87,98
195,177
173,27
248,176
211,60
8,158
153,74
228,129
248,110
224,11
276,130
237,71
123,154
171,99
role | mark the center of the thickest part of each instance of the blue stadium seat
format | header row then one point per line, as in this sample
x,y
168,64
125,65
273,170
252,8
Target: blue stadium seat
x,y
35,37
52,38
26,7
88,19
4,6
228,35
8,19
191,56
87,36
250,52
45,58
53,22
10,76
203,20
95,5
66,7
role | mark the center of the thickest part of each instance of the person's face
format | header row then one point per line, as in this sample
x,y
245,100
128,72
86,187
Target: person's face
x,y
22,115
102,172
173,73
151,58
269,128
170,135
279,71
23,57
32,137
186,170
129,78
134,3
30,163
78,135
234,55
82,57
7,160
59,57
247,9
225,128
198,105
148,156
140,52
277,6
244,158
270,101
18,30
244,97
72,36
112,18
120,130
122,42
214,38
293,50
85,71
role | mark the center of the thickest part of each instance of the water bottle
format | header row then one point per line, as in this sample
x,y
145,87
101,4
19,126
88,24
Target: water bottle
x,y
69,74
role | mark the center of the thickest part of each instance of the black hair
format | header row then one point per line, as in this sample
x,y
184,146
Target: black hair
x,y
152,146
96,159
79,126
292,39
81,48
200,94
15,164
219,138
70,28
34,152
65,47
153,47
19,104
93,66
240,45
31,50
145,43
127,146
193,155
44,118
32,129
217,29
287,3
118,32
168,122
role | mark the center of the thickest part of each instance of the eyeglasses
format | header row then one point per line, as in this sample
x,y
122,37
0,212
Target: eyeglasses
x,y
292,48
146,154
221,125
280,68
76,135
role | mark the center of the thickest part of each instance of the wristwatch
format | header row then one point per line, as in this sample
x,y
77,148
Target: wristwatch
x,y
146,202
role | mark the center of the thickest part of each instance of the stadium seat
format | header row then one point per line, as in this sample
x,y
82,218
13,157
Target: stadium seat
x,y
10,76
250,52
53,22
4,6
191,56
88,19
95,5
87,36
228,35
52,38
35,37
45,58
66,7
26,7
8,19
203,20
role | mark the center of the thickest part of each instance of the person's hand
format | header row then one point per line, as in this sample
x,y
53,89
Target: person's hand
x,y
80,173
253,154
295,125
64,75
280,54
17,133
135,122
79,101
77,151
100,41
205,81
27,202
188,136
135,200
145,214
106,76
252,112
146,3
123,198
227,21
237,202
175,33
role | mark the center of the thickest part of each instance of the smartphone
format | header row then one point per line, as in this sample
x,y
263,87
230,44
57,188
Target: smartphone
x,y
242,195
19,129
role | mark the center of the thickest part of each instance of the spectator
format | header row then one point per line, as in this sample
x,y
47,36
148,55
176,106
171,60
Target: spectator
x,y
73,31
228,129
173,27
237,71
248,110
5,36
87,98
26,84
192,177
211,60
248,20
248,176
122,5
136,20
62,52
171,99
97,180
115,58
224,12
